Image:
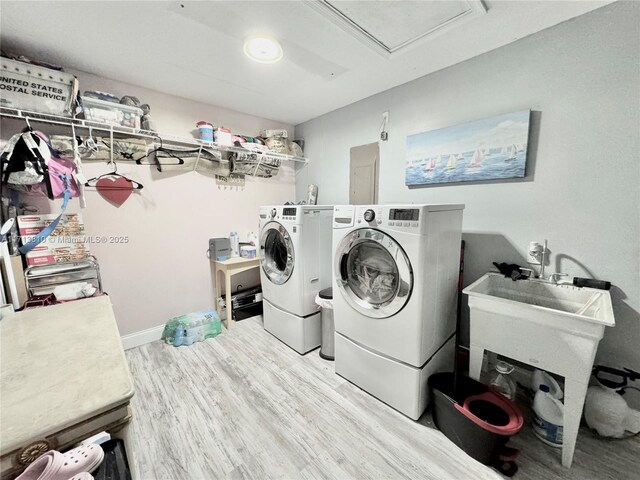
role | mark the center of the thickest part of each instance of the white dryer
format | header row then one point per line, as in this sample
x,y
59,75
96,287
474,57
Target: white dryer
x,y
394,298
295,258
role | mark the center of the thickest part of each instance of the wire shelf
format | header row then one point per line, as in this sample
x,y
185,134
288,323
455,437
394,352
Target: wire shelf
x,y
166,139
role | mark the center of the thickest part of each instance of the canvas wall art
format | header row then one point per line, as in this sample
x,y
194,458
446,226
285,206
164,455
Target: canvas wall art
x,y
488,149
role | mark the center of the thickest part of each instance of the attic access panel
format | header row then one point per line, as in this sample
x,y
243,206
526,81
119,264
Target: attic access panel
x,y
390,26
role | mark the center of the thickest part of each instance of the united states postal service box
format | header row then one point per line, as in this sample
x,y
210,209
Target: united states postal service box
x,y
24,86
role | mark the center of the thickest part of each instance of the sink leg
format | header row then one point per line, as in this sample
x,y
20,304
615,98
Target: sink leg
x,y
574,395
475,361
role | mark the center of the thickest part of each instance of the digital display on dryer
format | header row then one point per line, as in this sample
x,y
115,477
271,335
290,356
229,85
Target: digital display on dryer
x,y
289,212
408,214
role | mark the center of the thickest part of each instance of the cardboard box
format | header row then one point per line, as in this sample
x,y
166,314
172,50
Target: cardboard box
x,y
71,225
65,244
57,250
29,87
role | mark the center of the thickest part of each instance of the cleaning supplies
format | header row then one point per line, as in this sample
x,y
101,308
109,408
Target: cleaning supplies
x,y
548,417
540,377
501,381
235,244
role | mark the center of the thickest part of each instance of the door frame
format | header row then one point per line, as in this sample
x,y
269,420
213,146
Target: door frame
x,y
376,170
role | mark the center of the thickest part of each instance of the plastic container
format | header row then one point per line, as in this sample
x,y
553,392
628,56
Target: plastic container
x,y
248,251
548,417
252,238
501,380
111,113
223,136
540,377
235,244
205,129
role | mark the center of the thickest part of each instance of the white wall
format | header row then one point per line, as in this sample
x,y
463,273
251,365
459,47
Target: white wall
x,y
581,190
163,271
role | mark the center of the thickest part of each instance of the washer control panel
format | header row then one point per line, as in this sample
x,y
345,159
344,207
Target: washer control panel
x,y
385,216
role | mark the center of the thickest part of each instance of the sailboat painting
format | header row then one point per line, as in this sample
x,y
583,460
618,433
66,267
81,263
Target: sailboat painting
x,y
489,149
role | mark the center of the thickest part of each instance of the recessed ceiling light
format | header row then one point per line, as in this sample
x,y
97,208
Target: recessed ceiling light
x,y
262,49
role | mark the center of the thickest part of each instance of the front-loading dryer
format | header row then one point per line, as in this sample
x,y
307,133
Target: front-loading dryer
x,y
395,289
295,260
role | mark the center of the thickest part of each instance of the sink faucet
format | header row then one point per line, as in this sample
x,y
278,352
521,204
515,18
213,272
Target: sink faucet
x,y
530,273
555,277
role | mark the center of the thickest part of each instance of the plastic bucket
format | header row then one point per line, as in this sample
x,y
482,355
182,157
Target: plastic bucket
x,y
478,442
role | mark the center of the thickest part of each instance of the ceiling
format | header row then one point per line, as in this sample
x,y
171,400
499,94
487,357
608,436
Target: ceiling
x,y
335,52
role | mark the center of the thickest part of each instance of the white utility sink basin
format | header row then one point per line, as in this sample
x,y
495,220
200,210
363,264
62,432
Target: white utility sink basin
x,y
553,327
542,299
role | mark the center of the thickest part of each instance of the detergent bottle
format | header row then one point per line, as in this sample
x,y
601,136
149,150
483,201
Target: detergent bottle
x,y
548,417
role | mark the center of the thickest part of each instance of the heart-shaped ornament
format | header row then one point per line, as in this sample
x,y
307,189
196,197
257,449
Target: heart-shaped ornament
x,y
114,190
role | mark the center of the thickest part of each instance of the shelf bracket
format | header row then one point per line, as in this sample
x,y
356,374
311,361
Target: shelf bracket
x,y
195,167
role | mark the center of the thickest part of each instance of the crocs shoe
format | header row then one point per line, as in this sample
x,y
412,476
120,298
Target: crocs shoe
x,y
82,476
54,465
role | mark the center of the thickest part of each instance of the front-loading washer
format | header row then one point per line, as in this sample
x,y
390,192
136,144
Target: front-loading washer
x,y
395,290
295,261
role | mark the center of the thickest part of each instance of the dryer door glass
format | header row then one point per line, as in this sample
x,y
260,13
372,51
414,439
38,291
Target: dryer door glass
x,y
277,256
373,273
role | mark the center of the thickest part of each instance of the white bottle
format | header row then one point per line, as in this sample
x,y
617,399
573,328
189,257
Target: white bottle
x,y
540,377
252,238
235,244
548,417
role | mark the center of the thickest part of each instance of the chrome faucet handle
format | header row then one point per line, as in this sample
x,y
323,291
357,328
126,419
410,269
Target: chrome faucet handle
x,y
531,273
554,277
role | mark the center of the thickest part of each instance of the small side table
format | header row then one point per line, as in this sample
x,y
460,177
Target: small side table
x,y
228,268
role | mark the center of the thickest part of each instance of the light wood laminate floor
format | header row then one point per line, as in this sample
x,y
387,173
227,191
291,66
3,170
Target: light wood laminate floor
x,y
244,405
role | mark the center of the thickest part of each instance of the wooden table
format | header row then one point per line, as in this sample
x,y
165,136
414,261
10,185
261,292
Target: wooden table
x,y
64,377
228,268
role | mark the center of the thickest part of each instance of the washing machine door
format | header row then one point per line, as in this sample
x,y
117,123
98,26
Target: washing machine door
x,y
373,273
277,256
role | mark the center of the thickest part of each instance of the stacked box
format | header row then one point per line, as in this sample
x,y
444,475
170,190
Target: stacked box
x,y
65,244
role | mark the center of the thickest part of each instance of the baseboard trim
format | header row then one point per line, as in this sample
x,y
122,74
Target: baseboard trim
x,y
142,337
137,339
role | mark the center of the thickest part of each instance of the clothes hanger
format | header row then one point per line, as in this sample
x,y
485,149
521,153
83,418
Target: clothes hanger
x,y
156,162
92,182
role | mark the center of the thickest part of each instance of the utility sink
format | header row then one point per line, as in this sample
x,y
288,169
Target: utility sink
x,y
564,302
556,328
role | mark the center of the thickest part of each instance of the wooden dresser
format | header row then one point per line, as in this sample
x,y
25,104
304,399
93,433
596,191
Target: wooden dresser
x,y
63,377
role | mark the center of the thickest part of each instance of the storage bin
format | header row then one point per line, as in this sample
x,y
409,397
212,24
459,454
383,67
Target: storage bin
x,y
24,86
111,113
